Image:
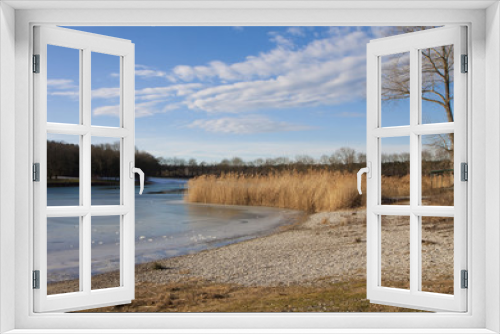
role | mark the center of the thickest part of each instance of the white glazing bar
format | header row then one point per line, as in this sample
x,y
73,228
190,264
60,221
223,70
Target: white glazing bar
x,y
393,131
75,211
86,165
373,121
435,128
81,267
122,251
87,256
102,131
127,252
392,210
414,167
434,211
109,210
77,129
67,129
67,211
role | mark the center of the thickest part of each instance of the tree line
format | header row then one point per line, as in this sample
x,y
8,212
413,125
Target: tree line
x,y
63,160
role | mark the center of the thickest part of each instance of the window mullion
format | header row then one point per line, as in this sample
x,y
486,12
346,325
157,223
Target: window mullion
x,y
414,174
85,166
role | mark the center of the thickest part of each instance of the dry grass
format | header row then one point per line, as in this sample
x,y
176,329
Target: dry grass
x,y
203,296
314,191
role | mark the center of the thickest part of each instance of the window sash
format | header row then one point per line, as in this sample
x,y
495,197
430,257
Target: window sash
x,y
85,298
414,297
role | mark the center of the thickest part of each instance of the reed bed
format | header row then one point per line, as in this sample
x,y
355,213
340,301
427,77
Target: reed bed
x,y
313,191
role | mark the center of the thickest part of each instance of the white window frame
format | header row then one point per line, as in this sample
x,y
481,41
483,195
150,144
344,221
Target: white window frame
x,y
86,44
484,212
412,43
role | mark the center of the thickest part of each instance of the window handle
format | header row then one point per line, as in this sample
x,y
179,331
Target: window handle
x,y
134,170
368,171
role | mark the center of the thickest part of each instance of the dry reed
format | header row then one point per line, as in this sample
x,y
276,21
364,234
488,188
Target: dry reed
x,y
313,191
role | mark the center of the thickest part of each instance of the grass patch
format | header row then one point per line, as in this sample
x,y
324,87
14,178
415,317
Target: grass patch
x,y
202,296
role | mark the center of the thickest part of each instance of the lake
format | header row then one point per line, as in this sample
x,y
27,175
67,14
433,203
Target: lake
x,y
166,226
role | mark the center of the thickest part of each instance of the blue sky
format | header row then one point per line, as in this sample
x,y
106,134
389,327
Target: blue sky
x,y
217,92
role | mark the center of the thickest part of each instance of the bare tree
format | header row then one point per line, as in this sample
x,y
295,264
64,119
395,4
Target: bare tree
x,y
304,159
437,81
324,159
361,158
346,155
237,161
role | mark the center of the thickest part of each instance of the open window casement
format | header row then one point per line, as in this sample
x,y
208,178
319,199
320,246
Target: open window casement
x,y
83,294
416,54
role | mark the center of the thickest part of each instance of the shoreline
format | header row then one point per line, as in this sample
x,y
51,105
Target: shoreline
x,y
239,224
321,254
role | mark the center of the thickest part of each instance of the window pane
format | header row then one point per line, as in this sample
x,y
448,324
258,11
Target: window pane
x,y
63,170
106,159
437,254
395,246
437,170
105,90
395,169
105,252
63,255
63,85
395,80
437,84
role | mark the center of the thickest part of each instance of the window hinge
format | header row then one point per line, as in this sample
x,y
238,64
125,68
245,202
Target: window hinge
x,y
36,172
465,64
36,63
36,279
464,171
465,279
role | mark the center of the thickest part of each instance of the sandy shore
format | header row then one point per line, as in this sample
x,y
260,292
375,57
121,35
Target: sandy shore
x,y
323,249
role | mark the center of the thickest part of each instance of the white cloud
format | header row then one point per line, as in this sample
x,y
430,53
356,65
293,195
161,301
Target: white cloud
x,y
141,109
296,31
150,93
326,71
145,71
279,61
106,93
61,83
162,93
63,87
246,125
329,83
69,93
149,101
282,41
150,73
107,111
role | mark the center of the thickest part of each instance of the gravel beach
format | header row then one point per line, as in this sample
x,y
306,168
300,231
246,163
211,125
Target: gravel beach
x,y
325,248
